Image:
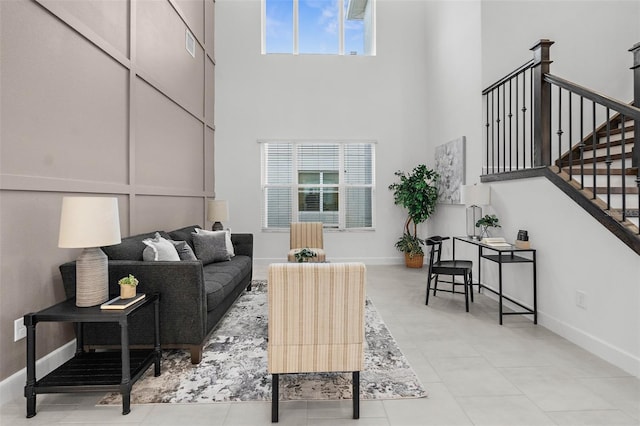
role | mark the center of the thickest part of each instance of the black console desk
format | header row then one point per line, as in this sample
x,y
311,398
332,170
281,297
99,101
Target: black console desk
x,y
105,371
504,255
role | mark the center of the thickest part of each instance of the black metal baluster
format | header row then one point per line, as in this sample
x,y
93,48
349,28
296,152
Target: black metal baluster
x,y
581,142
608,161
498,128
487,130
593,146
510,128
624,172
504,128
517,132
559,132
493,164
531,115
570,139
524,119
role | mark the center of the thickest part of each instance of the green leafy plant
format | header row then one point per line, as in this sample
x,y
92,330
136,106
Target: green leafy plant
x,y
130,280
411,245
486,222
304,255
418,193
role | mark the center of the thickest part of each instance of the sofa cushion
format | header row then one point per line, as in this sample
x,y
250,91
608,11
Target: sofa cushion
x,y
222,277
184,234
184,250
227,238
210,248
131,248
159,248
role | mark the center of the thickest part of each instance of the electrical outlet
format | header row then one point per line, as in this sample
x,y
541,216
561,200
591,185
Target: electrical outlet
x,y
581,299
19,330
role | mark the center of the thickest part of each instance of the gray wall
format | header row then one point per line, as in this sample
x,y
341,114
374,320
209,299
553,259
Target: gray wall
x,y
97,98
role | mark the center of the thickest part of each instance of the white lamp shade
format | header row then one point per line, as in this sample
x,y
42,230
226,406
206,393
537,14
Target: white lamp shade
x,y
476,195
89,222
217,211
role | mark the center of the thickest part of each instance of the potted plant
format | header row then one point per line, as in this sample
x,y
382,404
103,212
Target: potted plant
x,y
418,193
128,287
304,255
486,222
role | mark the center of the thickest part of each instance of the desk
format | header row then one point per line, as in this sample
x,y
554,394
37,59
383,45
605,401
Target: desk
x,y
103,371
504,255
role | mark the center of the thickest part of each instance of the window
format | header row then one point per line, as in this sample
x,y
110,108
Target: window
x,y
338,27
328,182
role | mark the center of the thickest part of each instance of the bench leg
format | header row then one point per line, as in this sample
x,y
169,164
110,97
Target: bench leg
x,y
196,354
355,388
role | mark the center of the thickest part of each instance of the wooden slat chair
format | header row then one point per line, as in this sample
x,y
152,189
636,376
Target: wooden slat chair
x,y
306,235
316,322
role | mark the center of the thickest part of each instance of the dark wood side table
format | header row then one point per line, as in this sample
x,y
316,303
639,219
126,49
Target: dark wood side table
x,y
106,371
505,255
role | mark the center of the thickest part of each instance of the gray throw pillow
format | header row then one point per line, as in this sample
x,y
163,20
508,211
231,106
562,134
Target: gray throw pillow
x,y
184,250
159,248
210,248
227,239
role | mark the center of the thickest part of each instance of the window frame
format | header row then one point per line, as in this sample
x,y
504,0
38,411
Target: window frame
x,y
342,16
295,186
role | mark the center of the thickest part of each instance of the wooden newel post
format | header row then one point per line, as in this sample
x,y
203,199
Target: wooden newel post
x,y
636,101
541,104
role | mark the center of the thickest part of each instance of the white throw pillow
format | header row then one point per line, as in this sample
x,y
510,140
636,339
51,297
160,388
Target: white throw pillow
x,y
227,238
159,248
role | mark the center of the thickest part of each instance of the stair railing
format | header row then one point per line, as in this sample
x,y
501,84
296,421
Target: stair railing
x,y
522,108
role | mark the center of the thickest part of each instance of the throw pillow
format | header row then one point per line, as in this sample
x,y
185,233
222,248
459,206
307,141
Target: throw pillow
x,y
159,248
210,247
227,239
184,250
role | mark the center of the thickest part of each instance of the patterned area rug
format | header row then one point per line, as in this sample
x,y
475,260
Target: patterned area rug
x,y
234,366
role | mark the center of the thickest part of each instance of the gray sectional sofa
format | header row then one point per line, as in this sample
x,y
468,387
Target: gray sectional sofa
x,y
193,296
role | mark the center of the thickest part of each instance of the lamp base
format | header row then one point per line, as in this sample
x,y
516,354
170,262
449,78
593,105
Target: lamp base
x,y
217,226
92,278
474,213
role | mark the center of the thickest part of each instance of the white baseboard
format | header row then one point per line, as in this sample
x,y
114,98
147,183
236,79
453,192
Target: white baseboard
x,y
12,388
605,350
610,353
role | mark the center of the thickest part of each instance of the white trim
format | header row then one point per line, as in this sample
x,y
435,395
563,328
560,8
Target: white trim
x,y
12,388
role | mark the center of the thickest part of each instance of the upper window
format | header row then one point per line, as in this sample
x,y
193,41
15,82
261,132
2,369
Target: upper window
x,y
328,182
338,27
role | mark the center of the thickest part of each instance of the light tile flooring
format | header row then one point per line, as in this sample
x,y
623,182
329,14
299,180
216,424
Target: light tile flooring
x,y
476,371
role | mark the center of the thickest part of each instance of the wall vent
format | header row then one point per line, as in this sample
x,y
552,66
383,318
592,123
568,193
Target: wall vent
x,y
190,43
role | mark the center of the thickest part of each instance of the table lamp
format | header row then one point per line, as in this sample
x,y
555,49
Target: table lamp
x,y
473,196
89,223
217,211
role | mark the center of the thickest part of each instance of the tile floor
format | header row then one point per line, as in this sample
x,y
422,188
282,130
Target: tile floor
x,y
476,372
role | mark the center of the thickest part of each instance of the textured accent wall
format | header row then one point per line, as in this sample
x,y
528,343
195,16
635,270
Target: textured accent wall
x,y
98,97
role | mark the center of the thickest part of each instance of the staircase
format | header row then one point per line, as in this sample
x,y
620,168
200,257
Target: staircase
x,y
536,124
603,166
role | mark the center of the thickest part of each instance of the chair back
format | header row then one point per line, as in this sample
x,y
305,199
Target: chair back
x,y
316,317
435,252
306,234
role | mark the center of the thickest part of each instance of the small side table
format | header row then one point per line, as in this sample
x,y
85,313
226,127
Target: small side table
x,y
106,371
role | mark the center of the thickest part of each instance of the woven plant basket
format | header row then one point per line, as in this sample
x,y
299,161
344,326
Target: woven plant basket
x,y
127,291
415,261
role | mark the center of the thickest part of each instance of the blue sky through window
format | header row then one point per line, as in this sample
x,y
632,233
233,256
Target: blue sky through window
x,y
318,27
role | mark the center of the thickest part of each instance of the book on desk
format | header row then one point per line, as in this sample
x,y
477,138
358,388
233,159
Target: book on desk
x,y
495,242
119,303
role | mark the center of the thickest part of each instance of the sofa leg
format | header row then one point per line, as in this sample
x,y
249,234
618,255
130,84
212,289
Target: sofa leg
x,y
196,354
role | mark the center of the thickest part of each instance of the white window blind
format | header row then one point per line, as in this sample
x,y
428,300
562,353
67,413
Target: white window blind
x,y
328,182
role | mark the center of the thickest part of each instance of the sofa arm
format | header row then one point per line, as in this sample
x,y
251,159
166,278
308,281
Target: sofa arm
x,y
243,244
183,303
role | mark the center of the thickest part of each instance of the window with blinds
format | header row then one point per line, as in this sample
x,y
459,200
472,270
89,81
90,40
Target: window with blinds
x,y
328,182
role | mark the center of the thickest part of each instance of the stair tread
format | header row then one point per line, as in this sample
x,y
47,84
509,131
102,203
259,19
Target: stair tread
x,y
616,190
630,171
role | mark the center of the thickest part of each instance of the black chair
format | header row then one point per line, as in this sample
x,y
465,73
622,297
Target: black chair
x,y
438,267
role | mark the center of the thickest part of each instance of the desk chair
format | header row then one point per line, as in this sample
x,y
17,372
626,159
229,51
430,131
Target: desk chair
x,y
316,322
438,267
306,235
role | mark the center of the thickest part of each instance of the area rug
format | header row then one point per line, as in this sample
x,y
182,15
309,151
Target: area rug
x,y
234,366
